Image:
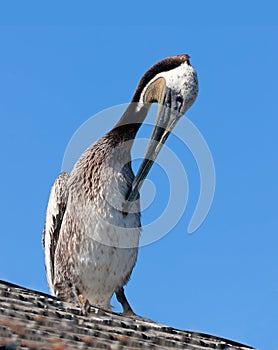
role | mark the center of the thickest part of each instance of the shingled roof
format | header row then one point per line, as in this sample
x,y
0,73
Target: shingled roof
x,y
34,320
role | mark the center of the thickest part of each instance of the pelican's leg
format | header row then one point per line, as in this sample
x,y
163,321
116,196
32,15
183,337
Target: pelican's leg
x,y
127,310
67,292
82,302
84,305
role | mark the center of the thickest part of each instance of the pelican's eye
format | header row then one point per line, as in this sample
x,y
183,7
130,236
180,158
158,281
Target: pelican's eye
x,y
179,101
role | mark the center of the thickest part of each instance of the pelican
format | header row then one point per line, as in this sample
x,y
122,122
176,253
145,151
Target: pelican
x,y
92,227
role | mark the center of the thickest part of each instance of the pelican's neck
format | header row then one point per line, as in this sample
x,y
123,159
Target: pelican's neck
x,y
130,122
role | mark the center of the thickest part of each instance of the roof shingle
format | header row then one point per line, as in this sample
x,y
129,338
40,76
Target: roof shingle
x,y
34,320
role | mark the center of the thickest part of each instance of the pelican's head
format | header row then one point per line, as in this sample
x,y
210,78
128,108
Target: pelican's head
x,y
173,84
173,75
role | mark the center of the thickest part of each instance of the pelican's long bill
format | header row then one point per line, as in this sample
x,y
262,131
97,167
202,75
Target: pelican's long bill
x,y
167,116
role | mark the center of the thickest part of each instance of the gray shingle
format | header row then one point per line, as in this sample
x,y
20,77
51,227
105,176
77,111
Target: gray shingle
x,y
34,320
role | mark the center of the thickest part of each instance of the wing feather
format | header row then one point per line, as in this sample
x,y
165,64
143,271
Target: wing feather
x,y
54,217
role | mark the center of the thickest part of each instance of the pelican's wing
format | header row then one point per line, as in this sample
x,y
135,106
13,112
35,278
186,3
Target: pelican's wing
x,y
54,217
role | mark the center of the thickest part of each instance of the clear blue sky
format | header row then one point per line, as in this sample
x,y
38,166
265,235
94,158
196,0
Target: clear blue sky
x,y
62,62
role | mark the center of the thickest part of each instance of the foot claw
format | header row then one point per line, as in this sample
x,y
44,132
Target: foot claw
x,y
129,313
